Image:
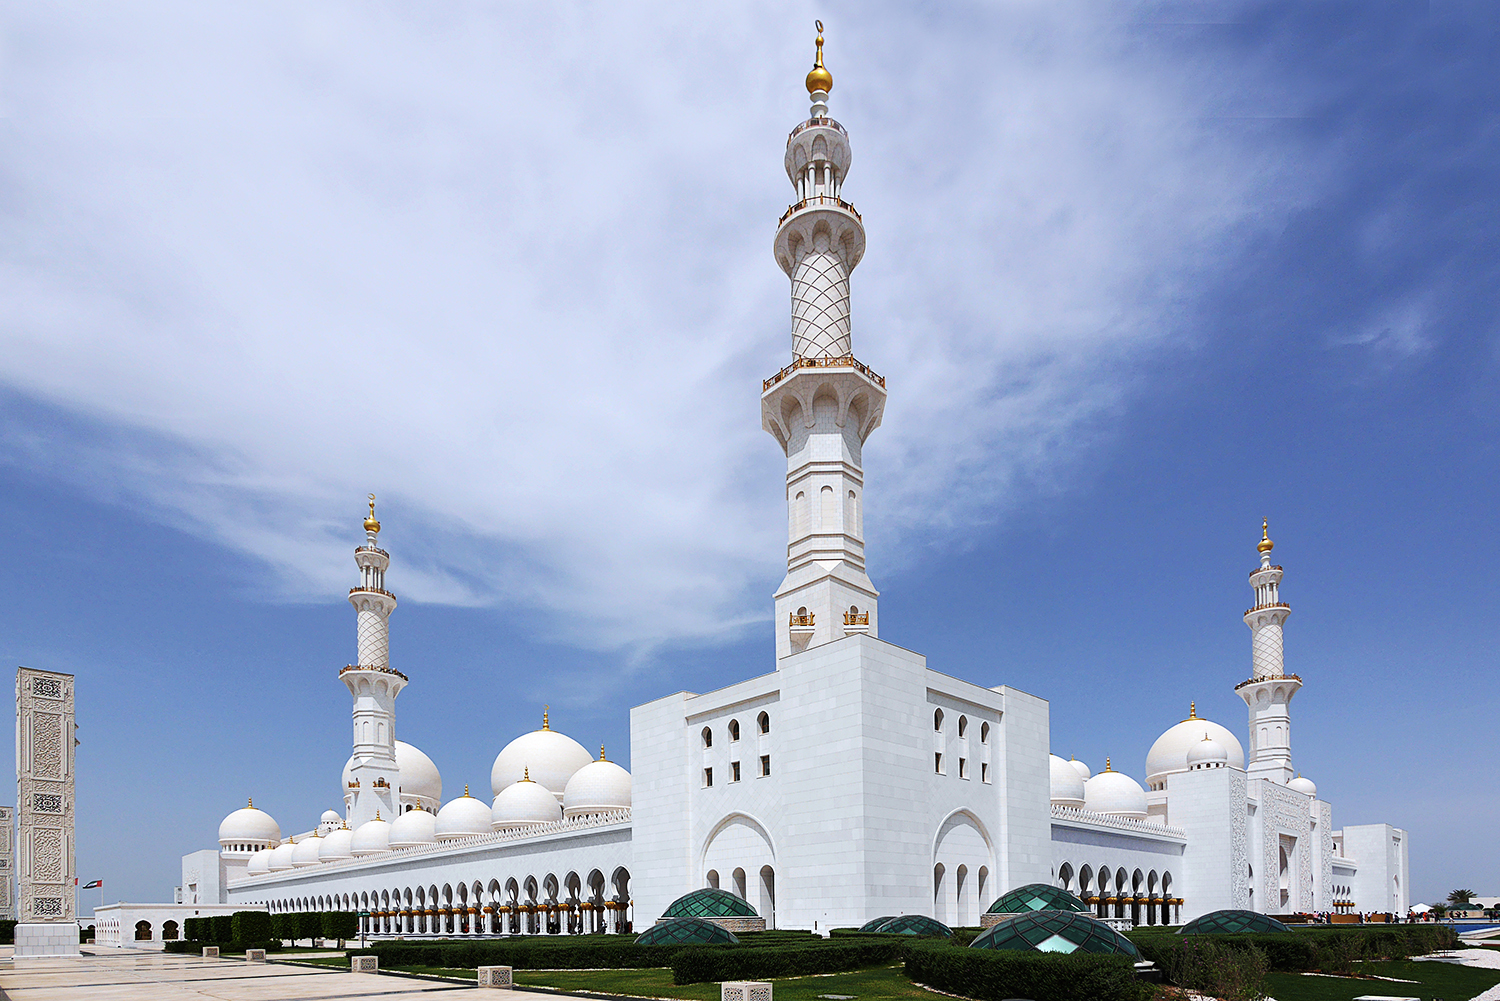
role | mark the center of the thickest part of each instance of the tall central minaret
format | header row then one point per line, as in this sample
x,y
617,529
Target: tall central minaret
x,y
822,406
374,780
1270,689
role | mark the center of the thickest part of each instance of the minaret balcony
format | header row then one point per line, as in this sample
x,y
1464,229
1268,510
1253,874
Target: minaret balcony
x,y
815,201
370,667
856,622
842,361
802,625
817,122
372,549
371,590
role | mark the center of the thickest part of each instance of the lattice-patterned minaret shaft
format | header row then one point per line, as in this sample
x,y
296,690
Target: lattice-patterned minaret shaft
x,y
374,782
1270,689
822,406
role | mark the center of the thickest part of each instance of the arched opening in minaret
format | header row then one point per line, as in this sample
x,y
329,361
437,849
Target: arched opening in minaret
x,y
828,511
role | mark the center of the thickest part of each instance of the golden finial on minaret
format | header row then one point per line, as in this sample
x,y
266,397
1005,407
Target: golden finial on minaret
x,y
545,711
371,525
818,78
1266,545
1192,710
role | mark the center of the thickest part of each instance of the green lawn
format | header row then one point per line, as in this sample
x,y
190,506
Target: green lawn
x,y
1436,980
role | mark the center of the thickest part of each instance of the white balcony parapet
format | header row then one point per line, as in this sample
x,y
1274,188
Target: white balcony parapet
x,y
1149,828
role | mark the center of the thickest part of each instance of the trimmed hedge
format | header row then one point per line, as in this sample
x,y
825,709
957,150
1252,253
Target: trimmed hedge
x,y
7,932
696,964
221,927
225,948
340,924
582,952
251,926
992,975
1327,949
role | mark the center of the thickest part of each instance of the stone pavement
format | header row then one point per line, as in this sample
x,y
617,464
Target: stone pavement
x,y
155,976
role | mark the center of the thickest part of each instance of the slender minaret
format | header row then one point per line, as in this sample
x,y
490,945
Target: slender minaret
x,y
822,406
1269,691
374,782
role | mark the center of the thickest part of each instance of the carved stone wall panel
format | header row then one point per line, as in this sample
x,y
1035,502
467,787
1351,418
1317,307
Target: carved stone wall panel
x,y
1239,843
7,863
43,846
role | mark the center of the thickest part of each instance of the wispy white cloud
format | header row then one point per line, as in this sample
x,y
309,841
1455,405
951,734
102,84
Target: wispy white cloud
x,y
511,271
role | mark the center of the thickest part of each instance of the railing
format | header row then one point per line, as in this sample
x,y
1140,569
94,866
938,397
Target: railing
x,y
805,621
816,123
1269,604
840,361
1078,815
1262,570
856,618
372,590
819,200
368,667
372,549
1261,681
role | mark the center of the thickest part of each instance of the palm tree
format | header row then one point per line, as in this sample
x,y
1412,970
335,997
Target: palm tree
x,y
1461,896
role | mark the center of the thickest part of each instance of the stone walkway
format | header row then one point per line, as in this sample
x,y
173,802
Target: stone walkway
x,y
156,976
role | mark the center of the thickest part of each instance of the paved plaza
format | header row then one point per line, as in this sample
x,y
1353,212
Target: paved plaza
x,y
156,976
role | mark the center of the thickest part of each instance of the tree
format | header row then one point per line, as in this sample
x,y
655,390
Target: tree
x,y
1461,896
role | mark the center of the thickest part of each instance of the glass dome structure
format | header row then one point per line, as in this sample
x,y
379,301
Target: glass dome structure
x,y
914,924
709,903
686,931
1056,931
1227,922
875,923
1037,897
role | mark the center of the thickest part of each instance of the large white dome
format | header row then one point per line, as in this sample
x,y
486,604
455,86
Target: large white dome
x,y
549,757
414,827
598,787
337,845
372,838
281,856
524,804
1067,784
419,780
306,852
248,825
1169,753
260,862
1115,793
465,817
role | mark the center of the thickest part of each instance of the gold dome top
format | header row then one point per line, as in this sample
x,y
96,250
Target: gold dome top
x,y
1266,545
818,78
371,525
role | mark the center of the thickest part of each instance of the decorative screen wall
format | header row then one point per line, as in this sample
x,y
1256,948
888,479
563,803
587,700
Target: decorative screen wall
x,y
44,789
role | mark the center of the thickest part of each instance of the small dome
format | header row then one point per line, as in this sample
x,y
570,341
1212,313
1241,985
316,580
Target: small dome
x,y
709,902
1067,785
372,838
281,856
1037,897
1207,753
1231,921
337,845
1115,793
915,924
1081,768
330,817
1056,931
248,825
1169,753
523,804
465,817
260,863
306,852
550,757
686,931
1302,785
597,787
414,827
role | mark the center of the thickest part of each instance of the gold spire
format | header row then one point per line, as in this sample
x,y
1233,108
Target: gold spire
x,y
1266,545
1192,711
1107,768
526,773
466,790
249,802
371,525
601,753
818,78
545,710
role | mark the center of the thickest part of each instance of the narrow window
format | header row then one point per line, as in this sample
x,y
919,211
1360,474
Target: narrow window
x,y
734,771
963,726
984,771
963,768
708,776
937,720
734,729
984,733
765,764
708,737
764,720
937,761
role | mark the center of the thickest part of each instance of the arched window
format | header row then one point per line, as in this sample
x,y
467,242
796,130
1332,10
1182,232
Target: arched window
x,y
764,722
734,729
963,726
828,510
937,720
984,733
708,737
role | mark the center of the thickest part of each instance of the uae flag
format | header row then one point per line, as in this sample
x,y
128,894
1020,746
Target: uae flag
x,y
90,886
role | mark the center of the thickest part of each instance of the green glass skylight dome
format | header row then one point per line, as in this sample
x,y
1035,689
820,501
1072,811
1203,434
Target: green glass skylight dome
x,y
876,922
686,931
1228,922
1037,897
1056,931
709,903
914,924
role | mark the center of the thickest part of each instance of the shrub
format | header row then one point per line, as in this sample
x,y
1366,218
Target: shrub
x,y
309,924
702,964
992,975
593,952
250,926
1231,972
221,927
282,926
340,924
225,948
1329,949
7,931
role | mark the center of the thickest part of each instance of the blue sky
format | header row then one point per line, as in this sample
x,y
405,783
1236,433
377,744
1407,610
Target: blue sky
x,y
1138,275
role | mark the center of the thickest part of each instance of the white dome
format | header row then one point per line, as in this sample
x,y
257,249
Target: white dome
x,y
248,825
330,817
597,787
1067,784
1081,768
306,852
260,862
464,817
337,845
549,757
1115,793
281,856
1169,753
1302,785
524,804
1207,753
372,838
414,827
419,780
